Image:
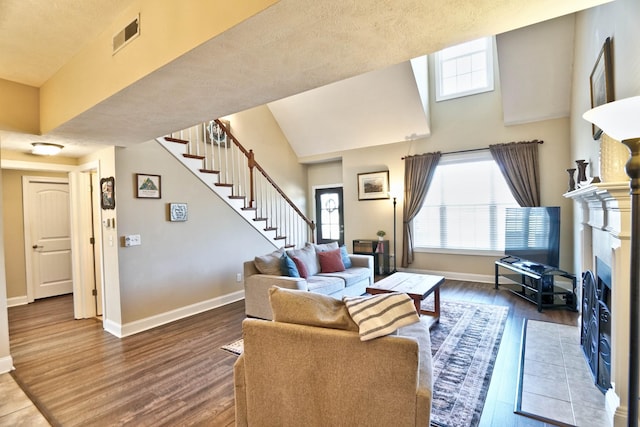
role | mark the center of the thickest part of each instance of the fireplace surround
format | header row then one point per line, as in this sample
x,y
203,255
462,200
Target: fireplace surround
x,y
602,212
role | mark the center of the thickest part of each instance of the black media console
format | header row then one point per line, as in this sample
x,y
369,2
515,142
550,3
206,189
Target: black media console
x,y
543,285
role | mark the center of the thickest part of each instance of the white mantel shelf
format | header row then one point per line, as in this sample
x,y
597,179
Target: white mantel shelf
x,y
608,205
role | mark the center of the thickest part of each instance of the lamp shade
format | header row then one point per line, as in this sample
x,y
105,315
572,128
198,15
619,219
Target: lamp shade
x,y
619,119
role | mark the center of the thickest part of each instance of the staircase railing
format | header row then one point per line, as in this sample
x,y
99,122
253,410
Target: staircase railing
x,y
236,167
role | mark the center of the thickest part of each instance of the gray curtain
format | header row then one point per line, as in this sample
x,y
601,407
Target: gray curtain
x,y
519,164
418,173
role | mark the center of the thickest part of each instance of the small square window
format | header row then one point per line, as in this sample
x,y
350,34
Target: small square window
x,y
464,69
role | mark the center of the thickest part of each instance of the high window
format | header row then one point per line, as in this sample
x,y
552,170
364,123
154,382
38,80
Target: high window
x,y
465,206
464,69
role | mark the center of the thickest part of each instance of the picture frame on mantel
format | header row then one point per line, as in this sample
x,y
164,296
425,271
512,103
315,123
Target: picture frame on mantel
x,y
373,185
601,82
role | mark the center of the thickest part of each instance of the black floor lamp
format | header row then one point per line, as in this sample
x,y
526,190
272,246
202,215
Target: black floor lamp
x,y
621,121
394,235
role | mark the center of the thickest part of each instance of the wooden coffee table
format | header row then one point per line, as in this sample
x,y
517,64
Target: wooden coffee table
x,y
417,286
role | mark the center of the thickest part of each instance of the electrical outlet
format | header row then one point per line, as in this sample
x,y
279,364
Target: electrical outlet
x,y
239,277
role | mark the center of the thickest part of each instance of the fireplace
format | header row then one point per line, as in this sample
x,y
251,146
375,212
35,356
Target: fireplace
x,y
596,323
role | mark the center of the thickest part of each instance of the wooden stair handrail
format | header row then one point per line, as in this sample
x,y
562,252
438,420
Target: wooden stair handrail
x,y
252,163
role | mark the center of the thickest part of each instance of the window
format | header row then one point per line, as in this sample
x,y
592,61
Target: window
x,y
465,206
464,69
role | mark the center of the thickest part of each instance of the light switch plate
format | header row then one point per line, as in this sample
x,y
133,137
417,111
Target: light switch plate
x,y
132,240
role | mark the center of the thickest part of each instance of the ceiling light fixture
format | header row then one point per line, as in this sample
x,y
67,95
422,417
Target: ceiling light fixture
x,y
46,148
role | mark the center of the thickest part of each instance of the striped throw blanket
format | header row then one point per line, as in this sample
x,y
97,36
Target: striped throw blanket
x,y
381,314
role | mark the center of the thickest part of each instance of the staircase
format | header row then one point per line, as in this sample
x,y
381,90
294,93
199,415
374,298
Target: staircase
x,y
215,156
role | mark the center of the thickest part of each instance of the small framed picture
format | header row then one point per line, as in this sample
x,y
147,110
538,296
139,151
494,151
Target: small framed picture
x,y
108,193
147,186
178,212
373,185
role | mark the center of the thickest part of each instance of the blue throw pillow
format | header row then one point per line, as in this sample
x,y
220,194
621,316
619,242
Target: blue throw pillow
x,y
345,257
288,267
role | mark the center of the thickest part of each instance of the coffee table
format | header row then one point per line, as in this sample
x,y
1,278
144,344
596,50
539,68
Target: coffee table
x,y
417,286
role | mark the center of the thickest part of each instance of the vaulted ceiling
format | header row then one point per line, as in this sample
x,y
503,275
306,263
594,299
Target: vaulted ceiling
x,y
289,48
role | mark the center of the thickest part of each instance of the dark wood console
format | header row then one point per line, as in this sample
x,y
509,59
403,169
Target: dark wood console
x,y
543,285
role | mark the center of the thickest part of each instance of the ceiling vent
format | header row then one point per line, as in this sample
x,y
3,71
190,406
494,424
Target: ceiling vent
x,y
126,35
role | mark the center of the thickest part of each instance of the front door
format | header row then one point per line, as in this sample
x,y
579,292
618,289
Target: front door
x,y
47,237
329,215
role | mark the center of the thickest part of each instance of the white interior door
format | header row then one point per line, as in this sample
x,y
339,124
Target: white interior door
x,y
47,237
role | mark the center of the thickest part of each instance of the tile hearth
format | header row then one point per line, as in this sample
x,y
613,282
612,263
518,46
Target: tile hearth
x,y
556,381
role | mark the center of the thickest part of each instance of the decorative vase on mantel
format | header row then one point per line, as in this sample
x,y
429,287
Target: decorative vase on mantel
x,y
582,170
572,181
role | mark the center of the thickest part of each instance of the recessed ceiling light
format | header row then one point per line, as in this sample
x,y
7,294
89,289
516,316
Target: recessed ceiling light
x,y
46,148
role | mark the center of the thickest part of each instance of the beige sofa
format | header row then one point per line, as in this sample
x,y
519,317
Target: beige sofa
x,y
310,368
352,281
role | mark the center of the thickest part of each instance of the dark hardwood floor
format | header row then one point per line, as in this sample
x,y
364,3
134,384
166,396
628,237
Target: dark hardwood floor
x,y
176,375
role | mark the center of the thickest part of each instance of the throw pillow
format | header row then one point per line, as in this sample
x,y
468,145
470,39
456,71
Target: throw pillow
x,y
345,257
309,308
330,261
288,267
302,268
307,255
381,314
324,247
270,263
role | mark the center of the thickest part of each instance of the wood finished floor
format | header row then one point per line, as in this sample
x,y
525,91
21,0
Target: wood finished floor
x,y
176,375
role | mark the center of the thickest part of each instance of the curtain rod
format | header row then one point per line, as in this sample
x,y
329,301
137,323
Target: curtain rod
x,y
471,150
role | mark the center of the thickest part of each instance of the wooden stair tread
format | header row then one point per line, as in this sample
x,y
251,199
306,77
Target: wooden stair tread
x,y
193,156
208,171
270,228
179,141
219,184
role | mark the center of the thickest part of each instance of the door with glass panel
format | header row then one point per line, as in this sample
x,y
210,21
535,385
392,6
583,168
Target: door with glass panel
x,y
329,215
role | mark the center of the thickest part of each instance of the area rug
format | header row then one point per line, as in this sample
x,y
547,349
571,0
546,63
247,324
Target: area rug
x,y
464,345
555,385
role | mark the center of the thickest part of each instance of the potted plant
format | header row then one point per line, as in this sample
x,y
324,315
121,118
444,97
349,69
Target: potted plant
x,y
381,234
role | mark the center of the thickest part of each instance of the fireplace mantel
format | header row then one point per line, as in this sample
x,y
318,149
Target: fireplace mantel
x,y
603,225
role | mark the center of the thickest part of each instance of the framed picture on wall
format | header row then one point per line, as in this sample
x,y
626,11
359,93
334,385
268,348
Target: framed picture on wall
x,y
373,185
178,212
147,186
108,193
601,82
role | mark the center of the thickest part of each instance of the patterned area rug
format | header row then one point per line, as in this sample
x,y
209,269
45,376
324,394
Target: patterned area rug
x,y
464,346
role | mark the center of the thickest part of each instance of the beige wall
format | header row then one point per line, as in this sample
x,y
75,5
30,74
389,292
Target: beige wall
x,y
184,263
19,107
617,20
13,226
465,123
5,355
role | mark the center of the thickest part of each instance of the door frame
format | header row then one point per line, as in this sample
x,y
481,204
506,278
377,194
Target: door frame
x,y
26,217
313,203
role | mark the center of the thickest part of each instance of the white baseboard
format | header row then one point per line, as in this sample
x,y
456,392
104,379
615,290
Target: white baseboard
x,y
16,301
452,275
141,325
6,364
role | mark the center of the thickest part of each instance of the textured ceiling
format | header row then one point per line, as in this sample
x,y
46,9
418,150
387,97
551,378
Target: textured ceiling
x,y
292,47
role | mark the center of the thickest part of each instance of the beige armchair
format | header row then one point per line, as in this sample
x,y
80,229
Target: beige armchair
x,y
296,372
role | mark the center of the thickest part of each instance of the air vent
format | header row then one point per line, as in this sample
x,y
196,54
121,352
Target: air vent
x,y
126,35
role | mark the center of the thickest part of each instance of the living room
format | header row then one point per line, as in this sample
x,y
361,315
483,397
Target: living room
x,y
139,293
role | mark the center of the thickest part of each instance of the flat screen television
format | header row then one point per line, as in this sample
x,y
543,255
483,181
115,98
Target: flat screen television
x,y
533,235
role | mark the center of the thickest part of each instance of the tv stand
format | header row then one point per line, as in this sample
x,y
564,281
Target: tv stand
x,y
543,285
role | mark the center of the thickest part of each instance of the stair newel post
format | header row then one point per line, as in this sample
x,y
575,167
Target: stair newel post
x,y
251,163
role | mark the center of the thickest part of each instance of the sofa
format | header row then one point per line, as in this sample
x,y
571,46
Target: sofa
x,y
310,367
313,268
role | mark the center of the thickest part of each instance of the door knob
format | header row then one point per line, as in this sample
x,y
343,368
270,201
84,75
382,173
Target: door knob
x,y
37,247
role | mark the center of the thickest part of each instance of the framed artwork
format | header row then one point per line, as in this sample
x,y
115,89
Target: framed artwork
x,y
108,193
601,82
215,133
178,212
147,186
373,185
